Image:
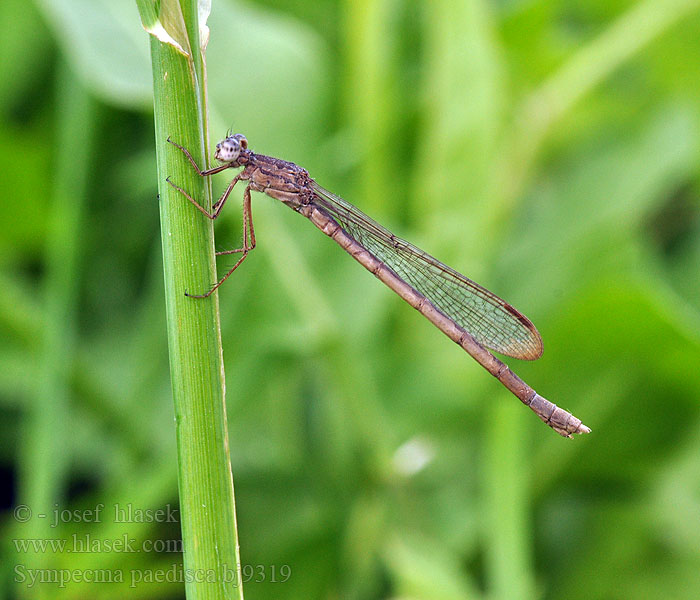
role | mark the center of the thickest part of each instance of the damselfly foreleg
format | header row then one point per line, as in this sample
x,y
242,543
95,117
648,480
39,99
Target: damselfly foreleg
x,y
203,173
216,209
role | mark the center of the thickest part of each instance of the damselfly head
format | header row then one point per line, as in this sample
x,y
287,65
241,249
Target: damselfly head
x,y
228,150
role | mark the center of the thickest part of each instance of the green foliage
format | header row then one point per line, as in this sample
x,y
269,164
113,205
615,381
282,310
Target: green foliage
x,y
548,150
207,507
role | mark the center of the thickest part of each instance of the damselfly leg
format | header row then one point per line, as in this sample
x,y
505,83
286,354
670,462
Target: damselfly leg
x,y
248,229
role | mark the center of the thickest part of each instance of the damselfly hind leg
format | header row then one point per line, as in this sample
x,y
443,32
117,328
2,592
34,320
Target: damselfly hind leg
x,y
248,231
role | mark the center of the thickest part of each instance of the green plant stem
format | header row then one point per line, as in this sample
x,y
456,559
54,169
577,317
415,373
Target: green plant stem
x,y
210,540
506,503
45,461
369,95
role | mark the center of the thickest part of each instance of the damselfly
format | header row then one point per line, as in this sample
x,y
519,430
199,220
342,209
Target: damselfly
x,y
466,312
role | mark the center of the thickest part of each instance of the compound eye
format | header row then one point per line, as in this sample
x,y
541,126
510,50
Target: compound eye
x,y
228,150
233,150
242,140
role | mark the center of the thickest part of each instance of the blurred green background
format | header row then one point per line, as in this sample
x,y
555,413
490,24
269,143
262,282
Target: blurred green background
x,y
547,149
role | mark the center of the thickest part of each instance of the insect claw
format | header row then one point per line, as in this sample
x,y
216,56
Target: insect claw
x,y
209,293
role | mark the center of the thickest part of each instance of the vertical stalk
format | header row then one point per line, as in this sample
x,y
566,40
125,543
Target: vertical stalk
x,y
369,102
44,460
210,540
507,535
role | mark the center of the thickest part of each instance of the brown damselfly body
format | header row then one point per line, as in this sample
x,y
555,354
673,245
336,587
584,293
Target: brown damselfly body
x,y
464,311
